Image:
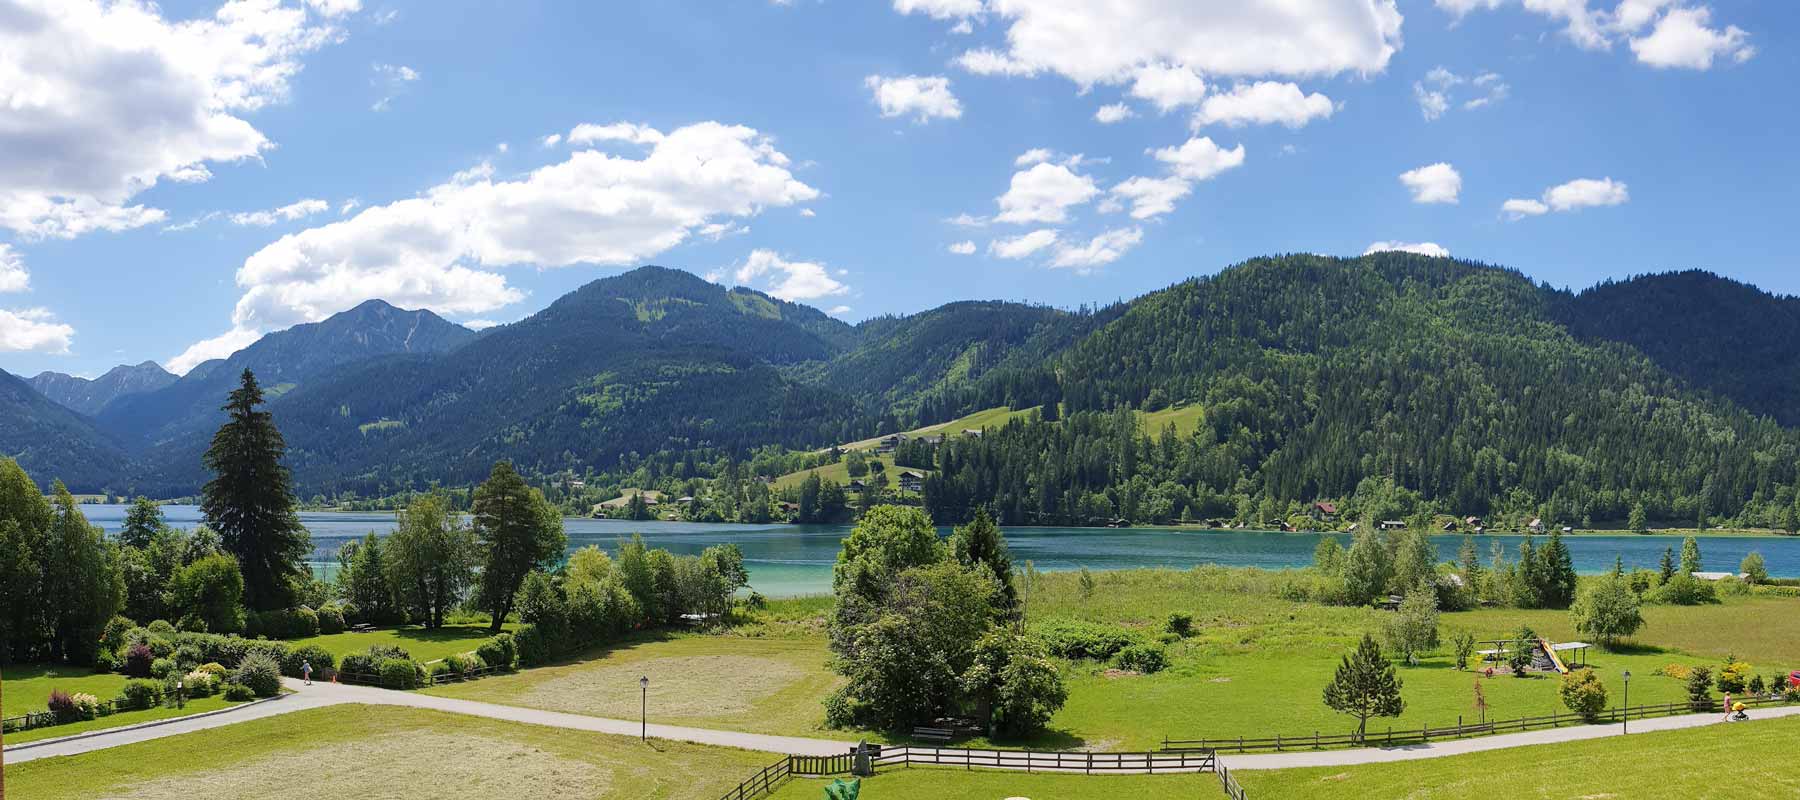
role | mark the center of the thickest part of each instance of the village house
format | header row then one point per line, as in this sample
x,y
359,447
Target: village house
x,y
911,481
1536,525
1392,525
1324,511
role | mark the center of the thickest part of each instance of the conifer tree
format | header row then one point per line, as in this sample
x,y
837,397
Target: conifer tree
x,y
980,544
142,522
250,501
519,532
1365,686
1667,570
1690,555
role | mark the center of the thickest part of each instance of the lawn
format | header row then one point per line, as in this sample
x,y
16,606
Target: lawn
x,y
421,643
1186,420
760,685
840,473
27,688
994,417
954,784
377,752
1741,760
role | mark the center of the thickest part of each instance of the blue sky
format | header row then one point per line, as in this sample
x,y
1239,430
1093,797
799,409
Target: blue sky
x,y
178,179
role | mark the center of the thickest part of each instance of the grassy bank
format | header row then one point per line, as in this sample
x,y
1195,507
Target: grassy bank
x,y
422,643
366,751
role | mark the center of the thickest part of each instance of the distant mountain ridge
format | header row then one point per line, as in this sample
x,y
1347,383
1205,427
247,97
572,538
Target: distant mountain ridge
x,y
90,396
53,442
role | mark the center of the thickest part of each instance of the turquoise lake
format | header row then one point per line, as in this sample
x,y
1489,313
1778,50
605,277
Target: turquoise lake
x,y
789,560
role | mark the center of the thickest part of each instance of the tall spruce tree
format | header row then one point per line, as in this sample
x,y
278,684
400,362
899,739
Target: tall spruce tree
x,y
1365,686
82,581
1557,574
519,531
1690,555
250,501
143,521
980,544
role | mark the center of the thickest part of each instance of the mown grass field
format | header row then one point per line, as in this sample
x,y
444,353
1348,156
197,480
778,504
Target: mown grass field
x,y
760,685
840,473
27,688
1738,761
954,784
386,752
422,644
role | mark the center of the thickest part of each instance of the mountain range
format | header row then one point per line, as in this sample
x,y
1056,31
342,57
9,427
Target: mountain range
x,y
1324,371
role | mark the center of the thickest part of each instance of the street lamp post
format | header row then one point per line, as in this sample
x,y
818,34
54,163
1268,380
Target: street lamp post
x,y
1625,724
644,708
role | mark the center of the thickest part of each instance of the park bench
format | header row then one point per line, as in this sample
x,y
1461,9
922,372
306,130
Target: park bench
x,y
933,734
362,627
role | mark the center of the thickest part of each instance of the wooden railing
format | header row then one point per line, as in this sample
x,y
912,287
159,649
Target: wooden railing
x,y
765,782
1461,730
1057,761
1230,784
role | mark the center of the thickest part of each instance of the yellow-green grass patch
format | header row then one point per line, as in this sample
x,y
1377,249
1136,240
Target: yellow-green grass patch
x,y
421,643
955,784
196,706
387,752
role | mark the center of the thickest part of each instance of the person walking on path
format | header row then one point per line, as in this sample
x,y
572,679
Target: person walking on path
x,y
1728,705
306,672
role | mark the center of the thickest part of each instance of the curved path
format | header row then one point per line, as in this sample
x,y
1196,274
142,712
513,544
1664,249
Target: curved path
x,y
327,694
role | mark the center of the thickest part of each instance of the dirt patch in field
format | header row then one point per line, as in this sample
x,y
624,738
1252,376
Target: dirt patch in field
x,y
392,766
1119,673
684,686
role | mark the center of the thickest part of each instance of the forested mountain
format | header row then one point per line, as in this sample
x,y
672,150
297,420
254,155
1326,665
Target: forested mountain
x,y
89,396
1719,334
1333,378
183,414
52,442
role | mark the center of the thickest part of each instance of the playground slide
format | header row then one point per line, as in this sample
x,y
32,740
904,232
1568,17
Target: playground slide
x,y
1554,658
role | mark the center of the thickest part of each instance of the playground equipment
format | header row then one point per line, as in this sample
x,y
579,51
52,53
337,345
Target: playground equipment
x,y
1546,655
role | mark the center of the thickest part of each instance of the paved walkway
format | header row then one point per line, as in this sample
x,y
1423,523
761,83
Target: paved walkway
x,y
327,694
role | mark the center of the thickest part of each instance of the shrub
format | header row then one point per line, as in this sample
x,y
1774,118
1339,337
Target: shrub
x,y
498,651
162,628
1733,677
238,693
1685,590
1075,639
322,661
108,661
385,651
138,658
1463,643
188,656
162,668
1699,687
359,664
200,684
756,601
1145,658
534,647
1679,672
399,673
62,705
138,694
87,706
112,637
261,672
1583,693
1757,687
840,710
1180,623
212,668
352,615
331,619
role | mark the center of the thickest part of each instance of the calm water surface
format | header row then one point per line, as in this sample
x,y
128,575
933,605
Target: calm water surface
x,y
788,560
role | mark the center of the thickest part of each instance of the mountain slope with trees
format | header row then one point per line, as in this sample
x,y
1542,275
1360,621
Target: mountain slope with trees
x,y
90,396
50,441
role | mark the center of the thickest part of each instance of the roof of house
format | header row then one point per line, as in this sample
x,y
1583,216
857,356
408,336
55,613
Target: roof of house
x,y
1329,508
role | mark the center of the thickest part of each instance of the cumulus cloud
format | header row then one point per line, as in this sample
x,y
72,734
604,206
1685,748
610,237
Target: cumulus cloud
x,y
1098,251
439,250
13,275
589,133
1091,43
1167,86
1035,155
1681,39
221,346
1109,114
1199,158
1263,103
391,80
1147,197
789,280
1435,94
940,9
33,330
1433,183
290,212
1422,248
1572,196
1022,245
923,97
963,248
105,100
1680,35
1044,193
480,324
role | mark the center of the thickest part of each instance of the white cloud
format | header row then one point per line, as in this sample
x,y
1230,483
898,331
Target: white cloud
x,y
1148,197
348,206
1421,248
1035,155
1044,193
963,248
1109,114
1199,158
1263,103
967,220
1433,183
33,330
1091,43
788,280
1022,245
807,212
1520,208
105,100
962,28
552,140
1099,251
13,275
1682,39
335,8
925,97
940,9
1572,196
439,250
289,212
1681,35
1167,86
1432,102
220,346
480,324
1436,93
391,80
589,133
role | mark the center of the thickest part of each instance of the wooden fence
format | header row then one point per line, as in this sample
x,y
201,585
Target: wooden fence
x,y
1230,784
1461,730
1055,761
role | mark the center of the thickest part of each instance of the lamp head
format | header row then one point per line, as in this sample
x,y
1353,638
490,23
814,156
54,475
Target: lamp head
x,y
644,682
